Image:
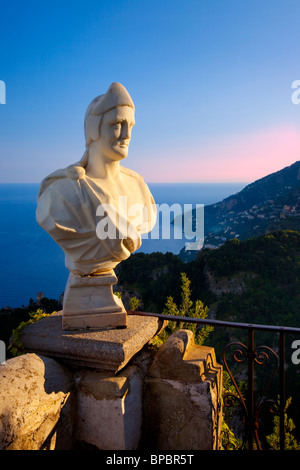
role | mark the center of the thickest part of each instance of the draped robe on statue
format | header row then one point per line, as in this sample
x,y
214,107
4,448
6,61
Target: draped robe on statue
x,y
67,209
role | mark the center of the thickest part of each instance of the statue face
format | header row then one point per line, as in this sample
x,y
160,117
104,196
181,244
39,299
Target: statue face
x,y
115,132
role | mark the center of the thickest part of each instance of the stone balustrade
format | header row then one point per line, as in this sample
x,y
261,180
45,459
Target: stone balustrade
x,y
170,400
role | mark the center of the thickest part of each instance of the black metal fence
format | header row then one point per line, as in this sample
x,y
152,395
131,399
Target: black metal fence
x,y
259,355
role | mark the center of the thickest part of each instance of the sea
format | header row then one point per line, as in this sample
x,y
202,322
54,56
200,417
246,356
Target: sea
x,y
31,262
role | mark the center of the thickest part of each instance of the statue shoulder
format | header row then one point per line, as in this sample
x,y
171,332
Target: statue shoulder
x,y
132,173
72,172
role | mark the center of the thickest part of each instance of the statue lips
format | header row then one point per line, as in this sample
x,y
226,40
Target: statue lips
x,y
122,144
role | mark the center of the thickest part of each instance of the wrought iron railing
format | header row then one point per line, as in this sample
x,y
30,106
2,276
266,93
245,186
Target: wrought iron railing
x,y
259,355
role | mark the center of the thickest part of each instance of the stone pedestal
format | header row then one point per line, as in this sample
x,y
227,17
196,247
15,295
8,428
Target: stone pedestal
x,y
100,349
109,409
183,397
89,302
121,395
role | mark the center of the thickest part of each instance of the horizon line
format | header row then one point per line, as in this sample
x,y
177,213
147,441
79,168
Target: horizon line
x,y
150,182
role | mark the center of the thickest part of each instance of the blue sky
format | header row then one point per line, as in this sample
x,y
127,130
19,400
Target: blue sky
x,y
211,82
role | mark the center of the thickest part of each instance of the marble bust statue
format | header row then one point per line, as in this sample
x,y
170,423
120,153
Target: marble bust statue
x,y
97,211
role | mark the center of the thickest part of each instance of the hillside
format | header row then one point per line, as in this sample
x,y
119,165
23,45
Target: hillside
x,y
270,203
256,280
258,277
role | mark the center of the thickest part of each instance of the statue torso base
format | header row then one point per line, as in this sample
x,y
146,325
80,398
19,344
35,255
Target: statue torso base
x,y
89,302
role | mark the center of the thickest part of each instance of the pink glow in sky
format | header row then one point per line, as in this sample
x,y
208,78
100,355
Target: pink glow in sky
x,y
238,158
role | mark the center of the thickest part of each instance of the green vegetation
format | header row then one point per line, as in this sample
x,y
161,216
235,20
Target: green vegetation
x,y
273,439
11,318
16,347
134,303
154,276
189,309
267,266
275,256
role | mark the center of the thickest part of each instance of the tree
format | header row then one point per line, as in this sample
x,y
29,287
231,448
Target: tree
x,y
187,309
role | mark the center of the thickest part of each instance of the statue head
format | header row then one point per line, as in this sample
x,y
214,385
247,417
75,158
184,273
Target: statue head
x,y
116,96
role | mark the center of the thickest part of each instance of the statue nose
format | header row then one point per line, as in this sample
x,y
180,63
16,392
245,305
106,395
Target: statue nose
x,y
126,132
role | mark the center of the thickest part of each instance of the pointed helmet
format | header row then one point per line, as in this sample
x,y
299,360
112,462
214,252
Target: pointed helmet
x,y
116,95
